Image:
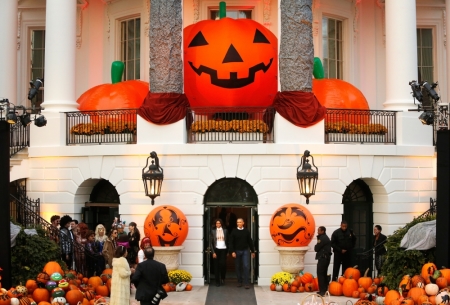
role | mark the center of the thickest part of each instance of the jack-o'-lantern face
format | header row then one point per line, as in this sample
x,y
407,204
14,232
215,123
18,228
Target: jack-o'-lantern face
x,y
230,62
166,226
292,225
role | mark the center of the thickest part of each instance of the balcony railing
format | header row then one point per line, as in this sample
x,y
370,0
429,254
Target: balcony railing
x,y
19,138
101,127
230,125
360,126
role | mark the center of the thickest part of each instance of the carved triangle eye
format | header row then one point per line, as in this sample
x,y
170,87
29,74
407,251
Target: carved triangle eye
x,y
198,40
259,37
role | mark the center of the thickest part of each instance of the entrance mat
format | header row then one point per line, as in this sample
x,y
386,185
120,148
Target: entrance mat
x,y
229,293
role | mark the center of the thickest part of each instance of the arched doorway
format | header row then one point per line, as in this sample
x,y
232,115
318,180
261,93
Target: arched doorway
x,y
102,207
229,199
358,212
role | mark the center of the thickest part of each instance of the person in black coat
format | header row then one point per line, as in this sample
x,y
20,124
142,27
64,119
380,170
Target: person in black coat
x,y
323,256
342,242
148,277
379,241
218,246
240,243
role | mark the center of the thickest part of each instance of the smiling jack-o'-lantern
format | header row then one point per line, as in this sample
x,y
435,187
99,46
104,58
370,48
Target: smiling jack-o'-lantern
x,y
292,225
230,62
166,226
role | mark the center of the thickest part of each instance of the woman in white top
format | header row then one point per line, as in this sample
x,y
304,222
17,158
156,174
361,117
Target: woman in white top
x,y
219,237
145,243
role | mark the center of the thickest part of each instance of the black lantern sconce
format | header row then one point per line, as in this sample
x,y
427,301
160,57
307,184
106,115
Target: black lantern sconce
x,y
153,177
307,177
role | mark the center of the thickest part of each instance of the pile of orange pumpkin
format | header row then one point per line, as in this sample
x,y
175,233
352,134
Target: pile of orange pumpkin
x,y
427,288
53,286
305,282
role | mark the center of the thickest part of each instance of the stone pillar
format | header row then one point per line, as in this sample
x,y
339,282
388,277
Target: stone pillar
x,y
8,52
296,56
401,53
166,64
447,23
60,61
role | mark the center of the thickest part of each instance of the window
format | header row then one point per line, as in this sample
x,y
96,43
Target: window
x,y
425,54
130,46
332,48
37,62
231,13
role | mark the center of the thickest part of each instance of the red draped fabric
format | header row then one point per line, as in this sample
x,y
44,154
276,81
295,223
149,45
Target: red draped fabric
x,y
300,108
164,108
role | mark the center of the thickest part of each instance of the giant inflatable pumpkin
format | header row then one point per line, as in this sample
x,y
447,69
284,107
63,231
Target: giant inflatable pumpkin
x,y
166,226
292,225
230,62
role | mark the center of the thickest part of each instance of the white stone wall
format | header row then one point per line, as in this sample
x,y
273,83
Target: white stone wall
x,y
401,187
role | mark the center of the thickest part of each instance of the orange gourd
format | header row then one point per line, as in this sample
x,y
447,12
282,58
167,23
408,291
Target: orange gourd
x,y
417,281
335,288
166,226
293,288
272,287
422,299
95,281
41,294
441,282
355,294
405,283
309,287
295,283
365,281
102,290
230,62
74,296
428,270
390,296
89,294
5,299
31,286
382,290
352,272
52,267
188,287
306,278
118,95
415,292
350,285
292,225
286,287
445,273
107,274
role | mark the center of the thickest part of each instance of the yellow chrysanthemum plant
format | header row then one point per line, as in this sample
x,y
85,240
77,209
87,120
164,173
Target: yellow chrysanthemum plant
x,y
281,278
179,276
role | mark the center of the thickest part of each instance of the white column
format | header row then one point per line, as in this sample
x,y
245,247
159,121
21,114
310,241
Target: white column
x,y
60,47
8,51
401,53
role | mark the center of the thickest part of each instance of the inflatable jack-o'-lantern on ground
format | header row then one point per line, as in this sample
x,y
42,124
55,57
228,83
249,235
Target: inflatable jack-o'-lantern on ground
x,y
292,225
166,226
230,62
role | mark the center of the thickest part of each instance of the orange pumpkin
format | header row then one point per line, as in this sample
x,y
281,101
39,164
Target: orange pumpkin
x,y
428,270
230,62
352,272
355,294
31,286
286,287
417,281
306,278
166,226
42,278
365,281
292,225
52,267
41,294
405,283
390,296
108,284
372,289
74,296
188,287
335,288
350,285
102,290
118,95
5,299
441,282
89,294
293,288
107,273
315,283
309,287
445,273
95,281
415,292
272,287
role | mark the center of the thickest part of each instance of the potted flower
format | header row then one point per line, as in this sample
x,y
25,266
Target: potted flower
x,y
281,278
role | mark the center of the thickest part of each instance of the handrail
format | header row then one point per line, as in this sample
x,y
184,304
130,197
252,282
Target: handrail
x,y
19,138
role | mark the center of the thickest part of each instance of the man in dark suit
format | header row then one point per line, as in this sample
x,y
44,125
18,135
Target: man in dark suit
x,y
148,277
323,255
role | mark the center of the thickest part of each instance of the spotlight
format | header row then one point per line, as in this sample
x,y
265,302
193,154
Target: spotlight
x,y
427,118
25,119
11,117
40,121
38,83
430,90
417,93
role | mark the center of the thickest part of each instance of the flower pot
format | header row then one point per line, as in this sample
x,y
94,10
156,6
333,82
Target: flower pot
x,y
292,258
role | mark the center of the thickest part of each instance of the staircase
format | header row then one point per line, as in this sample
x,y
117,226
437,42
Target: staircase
x,y
17,158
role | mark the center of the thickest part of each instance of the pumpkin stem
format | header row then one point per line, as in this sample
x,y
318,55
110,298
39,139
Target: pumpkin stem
x,y
318,71
117,71
222,9
367,271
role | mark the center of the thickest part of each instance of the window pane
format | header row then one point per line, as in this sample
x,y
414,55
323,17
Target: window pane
x,y
130,27
332,50
231,13
130,46
425,60
331,28
332,47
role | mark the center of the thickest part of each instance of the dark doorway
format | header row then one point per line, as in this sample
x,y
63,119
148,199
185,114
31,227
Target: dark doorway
x,y
229,199
358,212
102,207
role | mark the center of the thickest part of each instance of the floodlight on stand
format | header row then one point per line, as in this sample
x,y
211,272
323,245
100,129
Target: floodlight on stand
x,y
11,116
153,177
427,118
40,121
307,177
25,119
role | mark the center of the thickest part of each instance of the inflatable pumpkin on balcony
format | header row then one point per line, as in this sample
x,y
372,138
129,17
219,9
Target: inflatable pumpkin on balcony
x,y
336,93
166,226
117,95
230,62
292,225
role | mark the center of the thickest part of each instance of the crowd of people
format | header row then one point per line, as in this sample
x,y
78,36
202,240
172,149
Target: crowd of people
x,y
91,251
